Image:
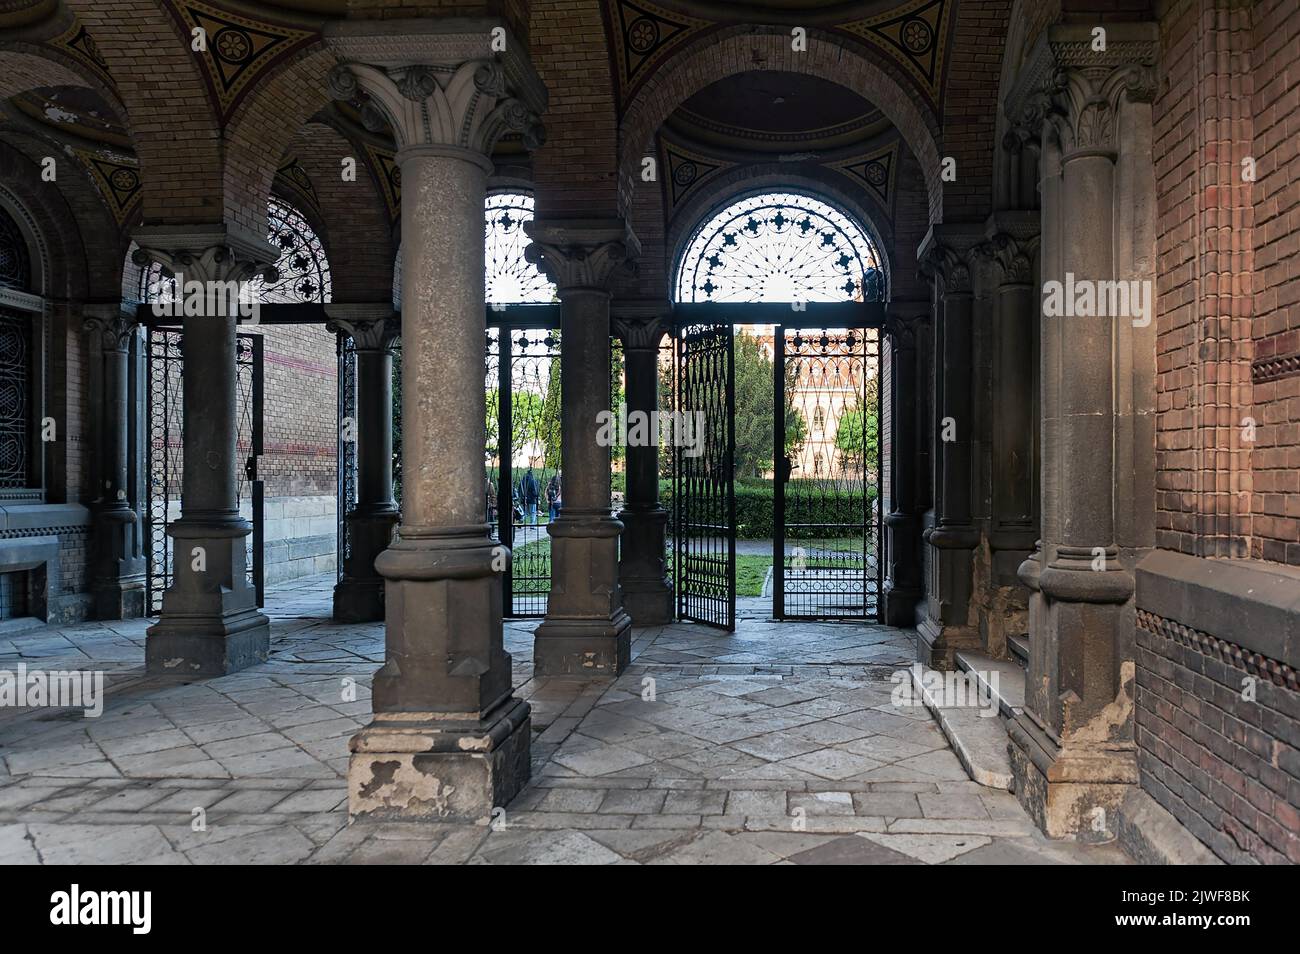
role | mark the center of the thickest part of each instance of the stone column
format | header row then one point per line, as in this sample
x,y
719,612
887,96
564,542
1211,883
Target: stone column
x,y
902,587
1013,524
359,595
209,624
946,626
118,557
1072,752
642,572
586,630
449,740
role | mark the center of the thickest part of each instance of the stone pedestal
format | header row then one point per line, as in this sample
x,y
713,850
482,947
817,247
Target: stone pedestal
x,y
586,631
209,624
359,595
448,739
119,565
642,572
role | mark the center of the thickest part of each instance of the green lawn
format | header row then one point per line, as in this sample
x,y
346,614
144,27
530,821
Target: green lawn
x,y
750,573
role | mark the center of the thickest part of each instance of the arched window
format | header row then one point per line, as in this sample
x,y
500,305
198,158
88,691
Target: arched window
x,y
15,360
304,269
510,278
779,246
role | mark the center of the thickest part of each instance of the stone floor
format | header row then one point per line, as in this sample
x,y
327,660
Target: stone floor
x,y
775,744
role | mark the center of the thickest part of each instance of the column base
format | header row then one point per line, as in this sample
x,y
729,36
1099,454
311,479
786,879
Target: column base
x,y
898,606
359,601
119,599
1070,791
583,647
424,766
648,602
198,647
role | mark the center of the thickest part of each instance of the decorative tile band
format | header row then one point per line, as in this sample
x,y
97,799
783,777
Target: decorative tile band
x,y
1278,673
1271,369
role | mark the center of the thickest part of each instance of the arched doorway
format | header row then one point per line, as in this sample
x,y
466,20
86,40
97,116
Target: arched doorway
x,y
777,369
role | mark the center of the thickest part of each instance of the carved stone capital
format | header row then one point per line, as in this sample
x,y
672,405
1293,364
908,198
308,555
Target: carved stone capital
x,y
112,322
640,332
582,254
207,253
371,327
901,332
949,265
1013,254
438,83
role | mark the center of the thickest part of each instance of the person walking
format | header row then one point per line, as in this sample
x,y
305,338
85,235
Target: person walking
x,y
553,496
528,490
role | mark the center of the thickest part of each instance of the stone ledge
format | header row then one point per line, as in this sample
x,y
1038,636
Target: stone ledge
x,y
1155,837
1252,604
980,742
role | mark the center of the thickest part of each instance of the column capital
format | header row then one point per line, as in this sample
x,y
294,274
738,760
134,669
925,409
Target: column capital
x,y
1072,89
1013,254
640,323
438,83
901,332
371,327
582,254
113,321
215,253
945,254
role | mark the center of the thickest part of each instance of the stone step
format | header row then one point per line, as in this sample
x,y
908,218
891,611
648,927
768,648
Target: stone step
x,y
980,741
1019,646
1009,685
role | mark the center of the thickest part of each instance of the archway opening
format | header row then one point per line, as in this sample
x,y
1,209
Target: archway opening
x,y
781,506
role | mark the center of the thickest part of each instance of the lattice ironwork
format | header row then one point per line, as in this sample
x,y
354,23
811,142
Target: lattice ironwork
x,y
703,483
510,277
827,544
779,247
15,266
15,403
346,458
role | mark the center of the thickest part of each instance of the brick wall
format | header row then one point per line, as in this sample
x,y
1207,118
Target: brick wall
x,y
1225,766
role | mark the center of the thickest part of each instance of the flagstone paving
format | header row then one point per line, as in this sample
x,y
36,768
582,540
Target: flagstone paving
x,y
775,744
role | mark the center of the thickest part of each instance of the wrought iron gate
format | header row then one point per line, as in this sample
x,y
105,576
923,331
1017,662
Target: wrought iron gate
x,y
704,501
166,428
826,544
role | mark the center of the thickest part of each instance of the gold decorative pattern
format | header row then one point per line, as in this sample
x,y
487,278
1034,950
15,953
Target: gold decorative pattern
x,y
684,170
876,171
915,36
239,49
642,35
80,45
117,178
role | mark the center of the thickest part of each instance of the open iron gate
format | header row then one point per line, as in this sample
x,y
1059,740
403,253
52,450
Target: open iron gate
x,y
704,499
826,544
164,374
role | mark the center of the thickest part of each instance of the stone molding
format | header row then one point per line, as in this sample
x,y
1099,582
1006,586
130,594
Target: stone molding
x,y
207,253
1275,368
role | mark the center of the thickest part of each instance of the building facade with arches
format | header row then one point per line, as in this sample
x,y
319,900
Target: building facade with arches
x,y
819,233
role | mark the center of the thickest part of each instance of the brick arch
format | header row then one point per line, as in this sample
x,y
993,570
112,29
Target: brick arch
x,y
25,66
970,107
752,179
79,242
261,129
173,128
354,219
576,170
738,50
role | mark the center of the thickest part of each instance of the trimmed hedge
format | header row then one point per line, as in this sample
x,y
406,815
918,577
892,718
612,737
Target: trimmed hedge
x,y
810,501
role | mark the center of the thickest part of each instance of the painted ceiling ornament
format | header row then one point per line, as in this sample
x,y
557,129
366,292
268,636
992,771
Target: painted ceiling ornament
x,y
915,36
239,49
116,178
388,175
297,177
877,172
687,169
641,35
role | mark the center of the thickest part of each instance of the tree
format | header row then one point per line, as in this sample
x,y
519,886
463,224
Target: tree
x,y
753,409
858,436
